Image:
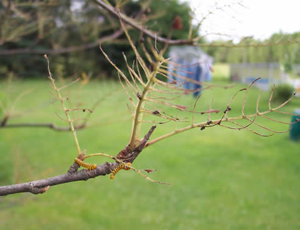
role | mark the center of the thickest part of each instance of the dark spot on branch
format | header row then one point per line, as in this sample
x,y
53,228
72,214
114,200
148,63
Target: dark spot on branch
x,y
227,109
129,155
139,96
151,68
149,170
156,112
209,122
4,121
202,127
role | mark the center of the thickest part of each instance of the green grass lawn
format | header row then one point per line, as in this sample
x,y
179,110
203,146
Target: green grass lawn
x,y
220,178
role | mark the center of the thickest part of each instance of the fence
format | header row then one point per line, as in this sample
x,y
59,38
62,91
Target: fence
x,y
269,73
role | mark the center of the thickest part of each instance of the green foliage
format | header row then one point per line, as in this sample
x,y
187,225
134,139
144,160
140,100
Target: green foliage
x,y
160,16
253,50
283,92
63,27
288,67
168,10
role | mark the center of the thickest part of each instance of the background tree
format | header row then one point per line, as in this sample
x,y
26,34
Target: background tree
x,y
281,48
72,31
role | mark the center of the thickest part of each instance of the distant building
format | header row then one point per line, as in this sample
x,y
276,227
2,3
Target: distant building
x,y
189,66
269,73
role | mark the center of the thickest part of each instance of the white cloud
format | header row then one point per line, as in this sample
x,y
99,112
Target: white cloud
x,y
258,18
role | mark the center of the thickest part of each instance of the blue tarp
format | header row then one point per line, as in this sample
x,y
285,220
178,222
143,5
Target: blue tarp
x,y
189,66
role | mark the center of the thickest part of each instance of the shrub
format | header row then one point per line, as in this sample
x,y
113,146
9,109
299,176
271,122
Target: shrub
x,y
283,92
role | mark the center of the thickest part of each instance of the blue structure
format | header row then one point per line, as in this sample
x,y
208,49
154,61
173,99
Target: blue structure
x,y
191,63
295,130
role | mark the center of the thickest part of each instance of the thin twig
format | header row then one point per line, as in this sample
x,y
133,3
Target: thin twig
x,y
69,120
39,125
169,41
72,49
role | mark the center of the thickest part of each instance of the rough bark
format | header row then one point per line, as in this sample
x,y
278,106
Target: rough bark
x,y
41,186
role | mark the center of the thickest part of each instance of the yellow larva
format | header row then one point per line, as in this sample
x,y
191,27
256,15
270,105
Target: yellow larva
x,y
118,168
85,165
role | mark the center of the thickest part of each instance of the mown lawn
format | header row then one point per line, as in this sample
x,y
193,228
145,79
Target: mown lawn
x,y
220,178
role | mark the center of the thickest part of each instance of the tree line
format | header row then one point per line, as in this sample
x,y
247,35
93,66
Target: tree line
x,y
280,48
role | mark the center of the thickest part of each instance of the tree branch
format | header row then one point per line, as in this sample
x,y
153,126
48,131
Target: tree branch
x,y
40,125
129,155
41,186
63,50
132,23
194,41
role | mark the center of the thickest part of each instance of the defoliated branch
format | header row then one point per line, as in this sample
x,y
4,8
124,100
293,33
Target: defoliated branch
x,y
194,41
133,23
41,186
108,38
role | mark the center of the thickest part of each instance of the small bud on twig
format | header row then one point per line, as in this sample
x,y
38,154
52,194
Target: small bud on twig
x,y
156,112
177,23
227,109
149,170
139,96
151,67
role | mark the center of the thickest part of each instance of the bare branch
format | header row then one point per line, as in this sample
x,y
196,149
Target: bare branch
x,y
63,50
39,186
39,125
130,22
169,41
69,120
252,131
65,86
271,96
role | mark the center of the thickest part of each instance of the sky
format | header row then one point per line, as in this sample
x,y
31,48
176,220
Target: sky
x,y
237,19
